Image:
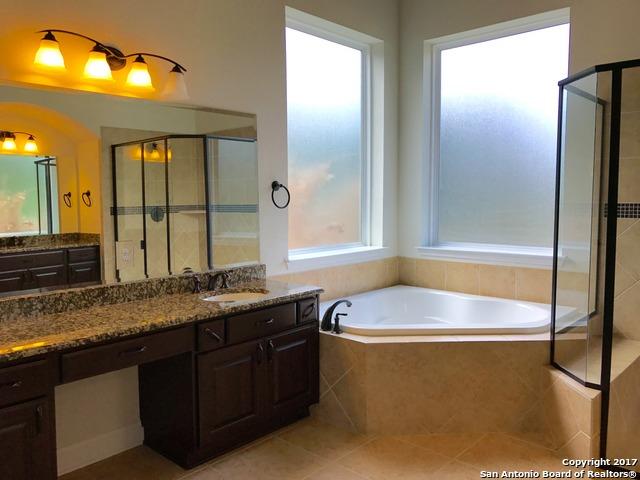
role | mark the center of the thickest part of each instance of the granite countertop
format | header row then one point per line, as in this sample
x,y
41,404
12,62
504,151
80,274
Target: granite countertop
x,y
29,336
53,246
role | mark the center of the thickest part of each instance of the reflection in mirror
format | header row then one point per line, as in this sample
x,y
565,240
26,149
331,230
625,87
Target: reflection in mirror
x,y
183,202
186,189
28,196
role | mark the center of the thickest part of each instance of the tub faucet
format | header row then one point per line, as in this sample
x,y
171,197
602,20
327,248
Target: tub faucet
x,y
325,325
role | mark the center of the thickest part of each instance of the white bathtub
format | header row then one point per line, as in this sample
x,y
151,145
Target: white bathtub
x,y
403,310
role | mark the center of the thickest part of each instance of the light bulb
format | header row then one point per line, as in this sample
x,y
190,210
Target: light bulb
x,y
176,87
9,143
31,146
154,154
49,54
139,74
97,66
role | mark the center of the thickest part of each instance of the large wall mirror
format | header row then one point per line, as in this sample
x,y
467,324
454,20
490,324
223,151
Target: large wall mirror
x,y
154,189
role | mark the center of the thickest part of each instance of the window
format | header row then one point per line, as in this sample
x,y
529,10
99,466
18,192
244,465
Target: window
x,y
494,134
28,196
327,108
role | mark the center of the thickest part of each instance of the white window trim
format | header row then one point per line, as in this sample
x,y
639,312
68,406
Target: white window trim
x,y
300,262
321,28
482,253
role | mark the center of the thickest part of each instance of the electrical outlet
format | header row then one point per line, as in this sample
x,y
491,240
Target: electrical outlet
x,y
124,254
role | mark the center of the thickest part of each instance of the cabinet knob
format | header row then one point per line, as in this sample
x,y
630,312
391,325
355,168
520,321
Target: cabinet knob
x,y
260,353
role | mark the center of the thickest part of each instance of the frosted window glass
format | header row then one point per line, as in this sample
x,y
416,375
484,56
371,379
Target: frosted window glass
x,y
324,109
18,196
498,123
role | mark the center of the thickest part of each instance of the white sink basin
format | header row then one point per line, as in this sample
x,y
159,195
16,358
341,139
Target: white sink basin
x,y
235,297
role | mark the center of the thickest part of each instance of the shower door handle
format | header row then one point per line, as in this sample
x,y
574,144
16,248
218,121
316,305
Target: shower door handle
x,y
143,245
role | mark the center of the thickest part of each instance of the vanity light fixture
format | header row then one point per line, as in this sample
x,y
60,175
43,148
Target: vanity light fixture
x,y
104,59
9,144
139,74
48,54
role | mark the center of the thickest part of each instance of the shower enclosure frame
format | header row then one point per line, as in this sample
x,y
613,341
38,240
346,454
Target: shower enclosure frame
x,y
611,214
46,163
164,139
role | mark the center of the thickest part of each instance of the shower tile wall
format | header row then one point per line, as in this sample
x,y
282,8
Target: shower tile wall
x,y
624,420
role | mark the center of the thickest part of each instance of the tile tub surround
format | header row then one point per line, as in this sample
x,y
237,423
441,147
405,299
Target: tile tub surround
x,y
454,385
79,298
345,280
29,243
530,284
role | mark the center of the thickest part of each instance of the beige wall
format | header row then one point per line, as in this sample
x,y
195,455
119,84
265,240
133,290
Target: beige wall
x,y
234,50
601,31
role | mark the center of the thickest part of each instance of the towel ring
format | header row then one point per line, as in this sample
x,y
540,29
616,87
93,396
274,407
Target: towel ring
x,y
66,198
86,198
275,186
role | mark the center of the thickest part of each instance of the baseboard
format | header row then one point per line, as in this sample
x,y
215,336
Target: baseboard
x,y
98,448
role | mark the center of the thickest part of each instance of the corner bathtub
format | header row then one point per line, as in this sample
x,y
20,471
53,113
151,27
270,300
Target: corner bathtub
x,y
403,310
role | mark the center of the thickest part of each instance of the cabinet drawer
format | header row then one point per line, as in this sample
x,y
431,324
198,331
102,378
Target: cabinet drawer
x,y
12,281
261,323
85,254
84,272
307,311
42,277
126,353
31,259
22,382
211,335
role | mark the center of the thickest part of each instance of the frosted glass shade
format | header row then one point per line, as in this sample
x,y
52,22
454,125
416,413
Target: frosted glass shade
x,y
176,87
31,146
9,144
49,55
139,74
97,66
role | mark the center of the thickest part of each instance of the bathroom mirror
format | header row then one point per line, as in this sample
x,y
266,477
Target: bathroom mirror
x,y
201,199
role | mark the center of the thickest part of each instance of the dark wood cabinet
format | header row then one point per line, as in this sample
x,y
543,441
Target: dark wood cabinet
x,y
254,373
26,451
231,393
292,360
49,269
205,388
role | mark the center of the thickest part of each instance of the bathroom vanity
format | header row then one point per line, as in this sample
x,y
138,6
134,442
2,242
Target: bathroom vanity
x,y
211,376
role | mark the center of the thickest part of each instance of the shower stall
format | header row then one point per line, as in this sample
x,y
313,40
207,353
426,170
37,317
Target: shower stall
x,y
184,202
596,271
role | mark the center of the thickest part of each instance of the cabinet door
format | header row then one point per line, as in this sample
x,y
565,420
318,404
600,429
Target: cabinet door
x,y
293,378
231,392
25,442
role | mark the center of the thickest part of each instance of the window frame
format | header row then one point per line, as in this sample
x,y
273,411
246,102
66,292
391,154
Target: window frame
x,y
341,35
468,251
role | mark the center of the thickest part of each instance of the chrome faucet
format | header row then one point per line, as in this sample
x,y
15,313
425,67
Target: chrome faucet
x,y
325,325
213,280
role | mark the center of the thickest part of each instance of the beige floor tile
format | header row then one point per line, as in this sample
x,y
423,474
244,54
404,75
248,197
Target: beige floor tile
x,y
497,451
335,472
327,441
448,444
140,463
458,471
270,460
392,458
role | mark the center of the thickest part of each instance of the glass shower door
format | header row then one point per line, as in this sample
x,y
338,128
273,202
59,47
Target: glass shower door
x,y
130,259
580,232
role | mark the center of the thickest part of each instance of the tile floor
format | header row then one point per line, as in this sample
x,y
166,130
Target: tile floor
x,y
316,451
